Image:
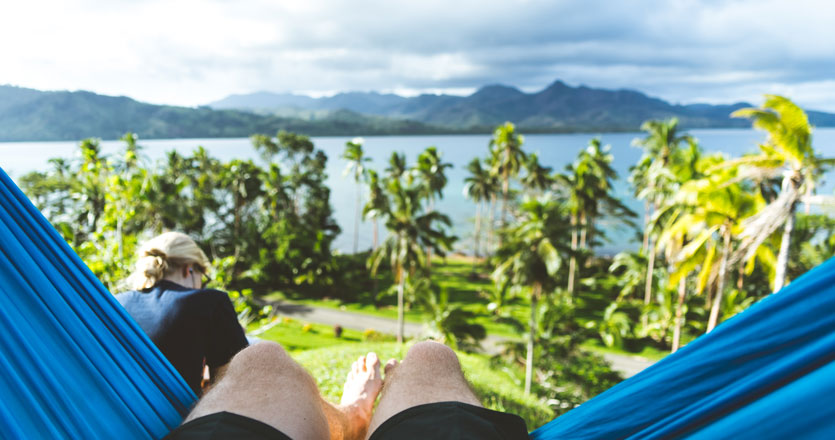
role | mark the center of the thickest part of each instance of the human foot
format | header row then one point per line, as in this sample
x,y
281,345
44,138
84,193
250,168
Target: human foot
x,y
362,387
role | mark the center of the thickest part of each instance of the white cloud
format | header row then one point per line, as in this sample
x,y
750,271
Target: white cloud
x,y
194,51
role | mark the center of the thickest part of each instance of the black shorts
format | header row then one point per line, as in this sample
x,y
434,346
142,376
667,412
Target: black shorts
x,y
443,420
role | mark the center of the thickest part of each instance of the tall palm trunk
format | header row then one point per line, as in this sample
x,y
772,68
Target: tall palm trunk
x,y
650,267
645,244
531,338
783,255
503,216
583,230
648,287
374,277
477,233
401,285
491,224
572,264
428,248
589,236
375,244
237,234
357,218
682,291
723,268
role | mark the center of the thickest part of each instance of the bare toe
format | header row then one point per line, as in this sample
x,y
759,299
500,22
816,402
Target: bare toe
x,y
391,364
363,384
372,364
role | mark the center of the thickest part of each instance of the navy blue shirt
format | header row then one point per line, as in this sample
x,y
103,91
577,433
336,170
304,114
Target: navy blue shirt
x,y
188,326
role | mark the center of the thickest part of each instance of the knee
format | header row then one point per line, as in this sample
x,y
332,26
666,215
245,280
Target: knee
x,y
263,354
432,355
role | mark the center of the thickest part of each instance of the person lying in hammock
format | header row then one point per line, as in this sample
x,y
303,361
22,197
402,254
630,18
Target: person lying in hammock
x,y
192,326
264,394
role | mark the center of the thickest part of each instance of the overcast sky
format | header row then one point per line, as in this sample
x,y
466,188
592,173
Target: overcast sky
x,y
194,52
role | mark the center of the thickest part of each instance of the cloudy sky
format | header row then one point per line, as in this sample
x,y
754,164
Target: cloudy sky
x,y
194,52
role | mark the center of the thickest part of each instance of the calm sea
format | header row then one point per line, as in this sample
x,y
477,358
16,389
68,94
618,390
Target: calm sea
x,y
554,150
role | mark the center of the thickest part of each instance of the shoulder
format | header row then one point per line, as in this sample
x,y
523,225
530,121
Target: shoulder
x,y
210,296
125,296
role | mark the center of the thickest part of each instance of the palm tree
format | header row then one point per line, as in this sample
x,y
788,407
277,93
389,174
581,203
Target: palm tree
x,y
653,180
630,270
706,213
478,187
530,258
788,152
397,166
601,201
688,164
377,203
537,177
450,324
507,158
587,187
242,180
430,175
356,167
431,179
410,231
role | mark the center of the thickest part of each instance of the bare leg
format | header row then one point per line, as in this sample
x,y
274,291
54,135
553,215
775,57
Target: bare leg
x,y
265,384
429,373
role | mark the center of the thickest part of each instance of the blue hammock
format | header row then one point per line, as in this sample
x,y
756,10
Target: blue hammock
x,y
76,366
73,364
768,372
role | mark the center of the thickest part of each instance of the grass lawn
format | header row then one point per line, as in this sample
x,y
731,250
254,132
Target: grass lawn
x,y
295,335
497,389
469,292
453,274
328,358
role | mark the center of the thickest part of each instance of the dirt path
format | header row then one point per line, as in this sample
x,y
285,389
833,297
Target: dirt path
x,y
626,365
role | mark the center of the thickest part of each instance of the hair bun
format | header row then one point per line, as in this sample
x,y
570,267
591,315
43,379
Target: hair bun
x,y
154,252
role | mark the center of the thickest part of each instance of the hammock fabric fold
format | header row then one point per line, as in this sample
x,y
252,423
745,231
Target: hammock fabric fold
x,y
74,364
768,372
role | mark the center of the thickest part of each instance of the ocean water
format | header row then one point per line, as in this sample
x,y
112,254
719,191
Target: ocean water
x,y
554,150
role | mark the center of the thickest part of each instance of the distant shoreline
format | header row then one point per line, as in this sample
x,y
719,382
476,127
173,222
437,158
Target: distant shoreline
x,y
522,130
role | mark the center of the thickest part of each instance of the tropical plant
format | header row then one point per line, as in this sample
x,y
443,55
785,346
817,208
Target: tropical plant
x,y
587,189
479,186
356,168
411,230
530,257
429,175
537,178
449,324
613,327
787,152
653,180
377,203
507,158
630,270
707,213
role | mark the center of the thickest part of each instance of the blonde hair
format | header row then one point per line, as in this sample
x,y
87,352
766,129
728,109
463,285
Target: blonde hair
x,y
162,256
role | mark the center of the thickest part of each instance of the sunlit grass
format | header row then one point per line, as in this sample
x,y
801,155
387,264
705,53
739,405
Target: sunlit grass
x,y
295,335
498,388
466,286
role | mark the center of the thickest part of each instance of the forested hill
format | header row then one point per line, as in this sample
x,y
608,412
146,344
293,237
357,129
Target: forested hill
x,y
557,108
32,115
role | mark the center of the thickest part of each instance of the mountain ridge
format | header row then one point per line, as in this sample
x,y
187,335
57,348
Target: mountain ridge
x,y
556,108
33,115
